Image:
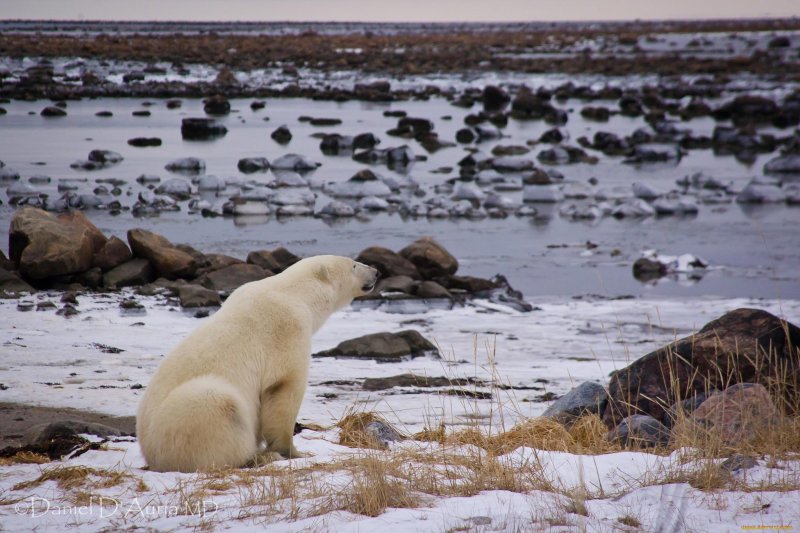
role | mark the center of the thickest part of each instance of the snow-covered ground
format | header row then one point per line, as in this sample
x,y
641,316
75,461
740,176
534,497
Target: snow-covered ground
x,y
54,361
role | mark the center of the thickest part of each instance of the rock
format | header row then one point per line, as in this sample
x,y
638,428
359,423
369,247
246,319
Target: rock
x,y
410,380
248,165
381,433
209,182
177,188
431,289
640,431
198,296
685,407
187,165
298,163
53,111
683,205
202,129
106,157
167,260
511,164
130,273
12,285
469,191
282,134
737,462
388,263
275,261
740,413
645,269
654,153
293,197
336,209
466,135
761,193
363,183
144,142
216,105
547,194
230,278
383,346
633,208
403,284
43,246
112,254
587,398
43,433
373,203
743,345
599,113
430,258
644,191
785,164
494,97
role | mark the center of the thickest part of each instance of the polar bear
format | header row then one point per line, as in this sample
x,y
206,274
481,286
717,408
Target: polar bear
x,y
238,380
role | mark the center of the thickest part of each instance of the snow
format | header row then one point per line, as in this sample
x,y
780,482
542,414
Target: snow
x,y
563,342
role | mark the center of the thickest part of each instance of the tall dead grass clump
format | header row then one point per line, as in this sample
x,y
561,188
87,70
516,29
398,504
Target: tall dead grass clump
x,y
354,432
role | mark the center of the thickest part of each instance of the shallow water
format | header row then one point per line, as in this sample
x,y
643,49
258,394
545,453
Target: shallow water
x,y
751,249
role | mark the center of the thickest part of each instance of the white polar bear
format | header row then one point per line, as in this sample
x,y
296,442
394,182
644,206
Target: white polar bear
x,y
238,380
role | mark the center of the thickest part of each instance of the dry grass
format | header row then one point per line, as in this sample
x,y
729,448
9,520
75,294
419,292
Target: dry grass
x,y
25,458
73,477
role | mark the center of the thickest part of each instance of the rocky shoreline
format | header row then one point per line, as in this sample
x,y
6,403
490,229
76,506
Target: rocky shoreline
x,y
68,252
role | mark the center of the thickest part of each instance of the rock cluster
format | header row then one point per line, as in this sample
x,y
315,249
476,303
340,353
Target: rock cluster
x,y
69,252
735,378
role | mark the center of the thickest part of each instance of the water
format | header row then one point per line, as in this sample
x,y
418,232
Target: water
x,y
750,248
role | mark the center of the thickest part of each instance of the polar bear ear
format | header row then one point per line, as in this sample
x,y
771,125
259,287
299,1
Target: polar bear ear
x,y
323,273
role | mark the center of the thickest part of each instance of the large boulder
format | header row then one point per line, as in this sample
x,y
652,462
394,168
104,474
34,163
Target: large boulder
x,y
388,262
44,246
430,258
112,254
745,345
11,285
197,296
129,274
383,346
275,261
169,261
230,278
739,413
202,128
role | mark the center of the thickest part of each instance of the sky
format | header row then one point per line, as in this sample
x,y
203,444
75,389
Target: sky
x,y
394,10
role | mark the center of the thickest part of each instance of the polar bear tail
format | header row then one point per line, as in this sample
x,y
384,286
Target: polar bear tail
x,y
202,424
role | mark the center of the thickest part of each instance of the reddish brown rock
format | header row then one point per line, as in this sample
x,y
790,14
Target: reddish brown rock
x,y
77,218
739,413
275,261
745,345
229,278
167,260
430,258
113,253
43,246
388,262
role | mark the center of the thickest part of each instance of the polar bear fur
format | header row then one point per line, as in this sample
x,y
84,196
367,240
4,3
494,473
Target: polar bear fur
x,y
237,381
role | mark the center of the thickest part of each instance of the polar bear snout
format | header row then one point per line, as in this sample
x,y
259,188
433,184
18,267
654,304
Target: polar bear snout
x,y
372,276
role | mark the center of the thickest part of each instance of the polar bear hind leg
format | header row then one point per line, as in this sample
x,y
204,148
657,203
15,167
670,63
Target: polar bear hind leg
x,y
203,424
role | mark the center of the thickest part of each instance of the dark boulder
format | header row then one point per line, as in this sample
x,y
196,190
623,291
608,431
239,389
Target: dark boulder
x,y
388,262
130,273
431,258
169,261
199,129
229,278
587,398
640,431
383,346
275,261
197,296
43,246
216,105
745,345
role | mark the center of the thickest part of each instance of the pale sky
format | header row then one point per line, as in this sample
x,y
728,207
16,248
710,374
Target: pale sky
x,y
394,10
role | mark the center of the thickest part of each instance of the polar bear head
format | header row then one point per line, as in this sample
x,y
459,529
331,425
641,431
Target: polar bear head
x,y
347,278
